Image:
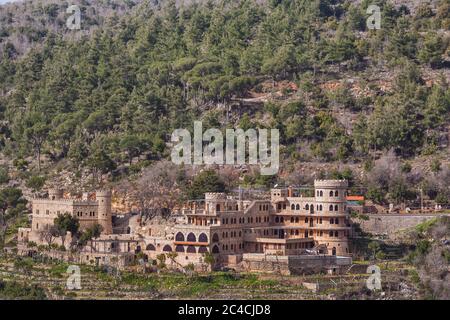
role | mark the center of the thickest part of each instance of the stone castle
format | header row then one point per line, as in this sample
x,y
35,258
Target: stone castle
x,y
292,225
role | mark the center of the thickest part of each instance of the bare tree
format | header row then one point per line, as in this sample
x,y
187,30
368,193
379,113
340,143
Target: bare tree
x,y
155,192
49,234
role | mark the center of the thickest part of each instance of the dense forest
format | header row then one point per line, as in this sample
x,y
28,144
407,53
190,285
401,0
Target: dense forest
x,y
106,98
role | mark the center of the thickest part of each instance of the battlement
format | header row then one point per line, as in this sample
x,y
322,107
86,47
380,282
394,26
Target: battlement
x,y
65,201
330,184
215,196
56,193
103,193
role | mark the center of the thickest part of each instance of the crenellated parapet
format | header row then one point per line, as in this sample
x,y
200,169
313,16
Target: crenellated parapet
x,y
214,196
103,193
331,184
55,194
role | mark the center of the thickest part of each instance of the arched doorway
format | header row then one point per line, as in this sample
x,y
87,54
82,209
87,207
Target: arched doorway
x,y
215,249
167,248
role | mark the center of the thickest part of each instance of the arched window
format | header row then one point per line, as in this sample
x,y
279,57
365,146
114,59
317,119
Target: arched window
x,y
191,237
331,193
167,248
292,206
150,247
179,237
321,193
179,248
292,219
306,220
202,250
317,192
296,219
277,219
331,221
215,249
217,207
307,207
204,238
190,249
333,251
336,193
336,234
320,208
297,207
330,234
336,208
336,221
331,207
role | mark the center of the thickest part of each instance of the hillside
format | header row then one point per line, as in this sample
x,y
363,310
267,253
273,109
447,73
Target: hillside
x,y
98,105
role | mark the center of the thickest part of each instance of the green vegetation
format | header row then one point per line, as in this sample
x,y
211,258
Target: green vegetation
x,y
90,233
206,181
152,69
197,285
12,209
431,256
15,290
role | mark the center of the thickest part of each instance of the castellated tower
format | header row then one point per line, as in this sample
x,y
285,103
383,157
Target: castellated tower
x,y
331,199
55,194
103,198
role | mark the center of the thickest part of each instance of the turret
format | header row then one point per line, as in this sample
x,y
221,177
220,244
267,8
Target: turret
x,y
55,194
103,198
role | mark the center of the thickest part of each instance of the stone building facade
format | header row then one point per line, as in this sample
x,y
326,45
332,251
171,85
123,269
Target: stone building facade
x,y
291,222
87,210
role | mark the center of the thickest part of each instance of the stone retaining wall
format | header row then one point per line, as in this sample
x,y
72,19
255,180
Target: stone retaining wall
x,y
391,223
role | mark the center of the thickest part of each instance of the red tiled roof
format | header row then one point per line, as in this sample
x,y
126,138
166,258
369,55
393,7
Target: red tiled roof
x,y
355,198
